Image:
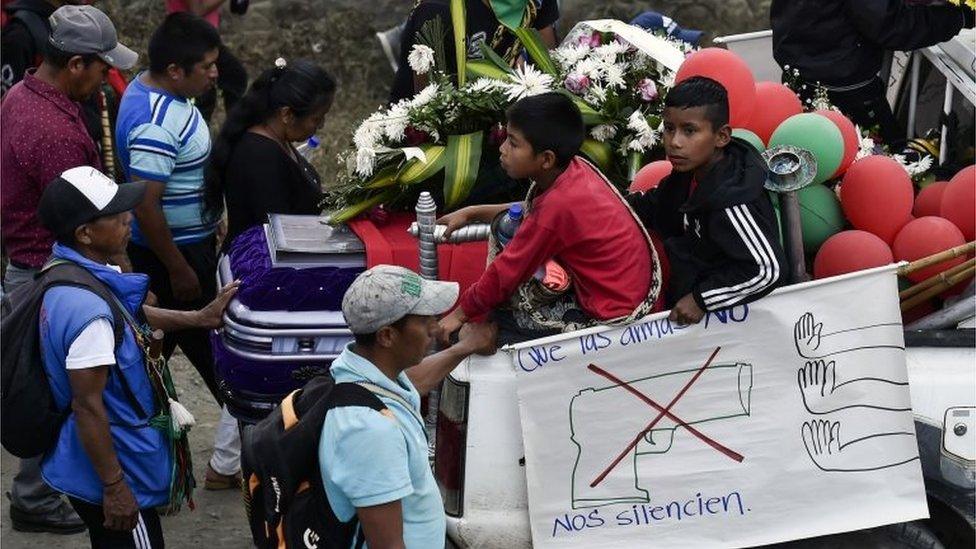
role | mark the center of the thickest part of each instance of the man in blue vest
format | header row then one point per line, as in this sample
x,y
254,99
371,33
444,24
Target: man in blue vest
x,y
114,466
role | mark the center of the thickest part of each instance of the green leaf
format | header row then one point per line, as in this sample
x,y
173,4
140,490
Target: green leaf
x,y
537,50
350,212
383,178
635,160
591,116
416,171
478,67
458,21
598,152
461,167
490,55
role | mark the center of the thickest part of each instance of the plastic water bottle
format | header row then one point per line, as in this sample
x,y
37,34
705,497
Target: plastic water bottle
x,y
308,148
509,224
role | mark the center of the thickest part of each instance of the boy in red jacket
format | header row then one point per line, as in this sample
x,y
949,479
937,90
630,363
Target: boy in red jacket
x,y
575,217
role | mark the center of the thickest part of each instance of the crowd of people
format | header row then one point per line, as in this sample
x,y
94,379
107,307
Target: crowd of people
x,y
123,180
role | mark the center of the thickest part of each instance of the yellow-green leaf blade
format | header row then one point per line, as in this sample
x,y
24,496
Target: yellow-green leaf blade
x,y
416,171
461,167
598,152
479,67
536,48
352,211
458,22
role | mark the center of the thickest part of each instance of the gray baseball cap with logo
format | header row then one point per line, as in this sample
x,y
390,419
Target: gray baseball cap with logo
x,y
86,29
386,293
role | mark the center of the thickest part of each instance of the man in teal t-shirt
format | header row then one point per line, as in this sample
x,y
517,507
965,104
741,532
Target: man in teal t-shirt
x,y
375,465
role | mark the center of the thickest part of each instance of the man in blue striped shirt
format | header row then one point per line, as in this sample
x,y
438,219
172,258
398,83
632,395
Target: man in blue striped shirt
x,y
164,141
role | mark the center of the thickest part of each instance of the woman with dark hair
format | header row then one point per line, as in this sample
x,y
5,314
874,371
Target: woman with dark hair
x,y
253,165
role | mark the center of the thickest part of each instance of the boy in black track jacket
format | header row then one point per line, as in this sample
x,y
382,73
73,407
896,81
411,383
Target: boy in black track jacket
x,y
716,220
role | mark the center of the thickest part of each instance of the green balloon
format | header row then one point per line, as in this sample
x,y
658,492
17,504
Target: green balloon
x,y
821,216
816,134
750,137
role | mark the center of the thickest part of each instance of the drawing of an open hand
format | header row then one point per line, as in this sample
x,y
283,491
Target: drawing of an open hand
x,y
822,440
817,380
806,334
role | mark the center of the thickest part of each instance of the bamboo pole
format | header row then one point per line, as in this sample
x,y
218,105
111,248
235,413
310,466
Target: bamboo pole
x,y
942,286
937,258
929,282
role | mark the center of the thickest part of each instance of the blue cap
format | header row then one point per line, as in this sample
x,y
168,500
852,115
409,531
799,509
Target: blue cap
x,y
313,142
653,21
515,211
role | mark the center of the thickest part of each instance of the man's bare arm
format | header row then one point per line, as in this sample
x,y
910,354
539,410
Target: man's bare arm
x,y
382,525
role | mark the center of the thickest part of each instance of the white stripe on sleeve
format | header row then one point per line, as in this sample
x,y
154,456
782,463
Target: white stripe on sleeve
x,y
761,251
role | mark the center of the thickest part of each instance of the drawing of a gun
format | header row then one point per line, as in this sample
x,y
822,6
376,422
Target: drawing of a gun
x,y
604,421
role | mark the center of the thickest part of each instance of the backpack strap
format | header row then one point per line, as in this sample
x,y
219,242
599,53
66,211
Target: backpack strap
x,y
381,392
118,327
61,272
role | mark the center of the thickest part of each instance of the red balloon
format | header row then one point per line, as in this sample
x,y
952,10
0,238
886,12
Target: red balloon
x,y
852,140
959,202
924,237
650,176
849,251
777,103
731,71
877,195
929,200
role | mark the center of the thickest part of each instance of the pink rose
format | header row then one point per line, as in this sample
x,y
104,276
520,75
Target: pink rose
x,y
577,83
647,89
592,40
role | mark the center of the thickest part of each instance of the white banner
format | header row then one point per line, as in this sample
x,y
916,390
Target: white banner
x,y
784,419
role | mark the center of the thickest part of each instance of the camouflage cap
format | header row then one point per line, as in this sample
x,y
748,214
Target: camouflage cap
x,y
386,293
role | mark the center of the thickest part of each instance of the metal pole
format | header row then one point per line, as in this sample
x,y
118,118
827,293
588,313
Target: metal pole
x,y
916,60
946,111
426,221
789,207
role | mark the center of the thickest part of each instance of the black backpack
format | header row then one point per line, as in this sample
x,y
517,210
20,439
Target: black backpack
x,y
283,491
30,422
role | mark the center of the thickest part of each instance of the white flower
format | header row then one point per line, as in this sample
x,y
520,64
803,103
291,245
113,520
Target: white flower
x,y
608,52
603,132
614,76
588,67
597,95
424,96
528,81
365,162
667,79
421,59
914,168
483,85
368,134
396,121
644,137
865,146
572,54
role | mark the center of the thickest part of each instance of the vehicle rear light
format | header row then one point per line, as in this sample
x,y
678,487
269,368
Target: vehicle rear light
x,y
452,435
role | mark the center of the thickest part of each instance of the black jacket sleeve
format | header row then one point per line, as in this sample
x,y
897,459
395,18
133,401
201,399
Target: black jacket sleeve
x,y
752,263
896,25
